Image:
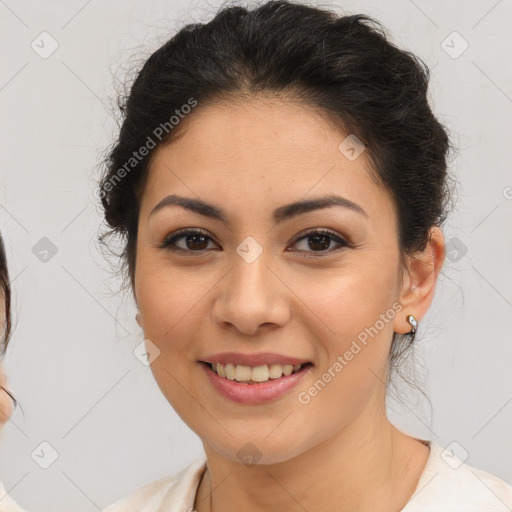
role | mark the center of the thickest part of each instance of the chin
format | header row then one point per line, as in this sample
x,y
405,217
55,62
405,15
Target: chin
x,y
257,451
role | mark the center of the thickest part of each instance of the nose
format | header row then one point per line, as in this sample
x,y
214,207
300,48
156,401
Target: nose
x,y
251,297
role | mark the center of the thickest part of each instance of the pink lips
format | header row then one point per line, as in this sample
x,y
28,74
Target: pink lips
x,y
256,393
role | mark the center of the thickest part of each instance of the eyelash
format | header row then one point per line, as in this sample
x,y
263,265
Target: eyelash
x,y
170,240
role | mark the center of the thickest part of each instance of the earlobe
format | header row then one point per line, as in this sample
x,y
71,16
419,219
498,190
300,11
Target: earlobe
x,y
420,279
139,319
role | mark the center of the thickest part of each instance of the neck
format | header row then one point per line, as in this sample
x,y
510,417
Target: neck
x,y
369,465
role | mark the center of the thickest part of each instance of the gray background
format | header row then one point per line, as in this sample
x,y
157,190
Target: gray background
x,y
71,363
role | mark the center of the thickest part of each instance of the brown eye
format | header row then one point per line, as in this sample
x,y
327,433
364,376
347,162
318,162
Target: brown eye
x,y
319,241
194,241
191,241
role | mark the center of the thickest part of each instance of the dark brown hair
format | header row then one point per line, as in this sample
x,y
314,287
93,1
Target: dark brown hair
x,y
5,291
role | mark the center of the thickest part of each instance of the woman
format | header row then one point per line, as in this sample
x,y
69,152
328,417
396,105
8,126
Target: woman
x,y
7,400
274,315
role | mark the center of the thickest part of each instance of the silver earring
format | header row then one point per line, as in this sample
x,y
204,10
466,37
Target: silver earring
x,y
414,326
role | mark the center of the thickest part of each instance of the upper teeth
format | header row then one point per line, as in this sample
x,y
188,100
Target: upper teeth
x,y
261,373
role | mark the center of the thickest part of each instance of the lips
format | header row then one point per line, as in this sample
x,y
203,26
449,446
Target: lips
x,y
251,392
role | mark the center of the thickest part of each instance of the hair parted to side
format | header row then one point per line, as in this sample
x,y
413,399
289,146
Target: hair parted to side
x,y
343,66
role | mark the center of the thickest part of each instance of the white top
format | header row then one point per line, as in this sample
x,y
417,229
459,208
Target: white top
x,y
446,485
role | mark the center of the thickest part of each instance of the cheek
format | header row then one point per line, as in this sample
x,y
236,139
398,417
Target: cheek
x,y
6,403
355,306
6,407
169,305
168,300
344,301
353,359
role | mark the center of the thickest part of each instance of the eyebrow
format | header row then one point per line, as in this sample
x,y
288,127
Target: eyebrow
x,y
279,214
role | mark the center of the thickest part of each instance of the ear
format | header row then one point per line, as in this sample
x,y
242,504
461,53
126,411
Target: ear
x,y
139,319
419,280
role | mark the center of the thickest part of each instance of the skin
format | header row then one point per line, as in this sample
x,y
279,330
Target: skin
x,y
6,403
339,452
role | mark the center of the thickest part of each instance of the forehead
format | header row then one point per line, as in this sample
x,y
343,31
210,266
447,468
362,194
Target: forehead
x,y
266,148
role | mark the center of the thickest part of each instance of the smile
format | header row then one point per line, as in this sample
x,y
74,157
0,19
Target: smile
x,y
254,374
252,385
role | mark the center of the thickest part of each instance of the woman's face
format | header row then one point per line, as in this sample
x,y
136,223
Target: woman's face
x,y
259,284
